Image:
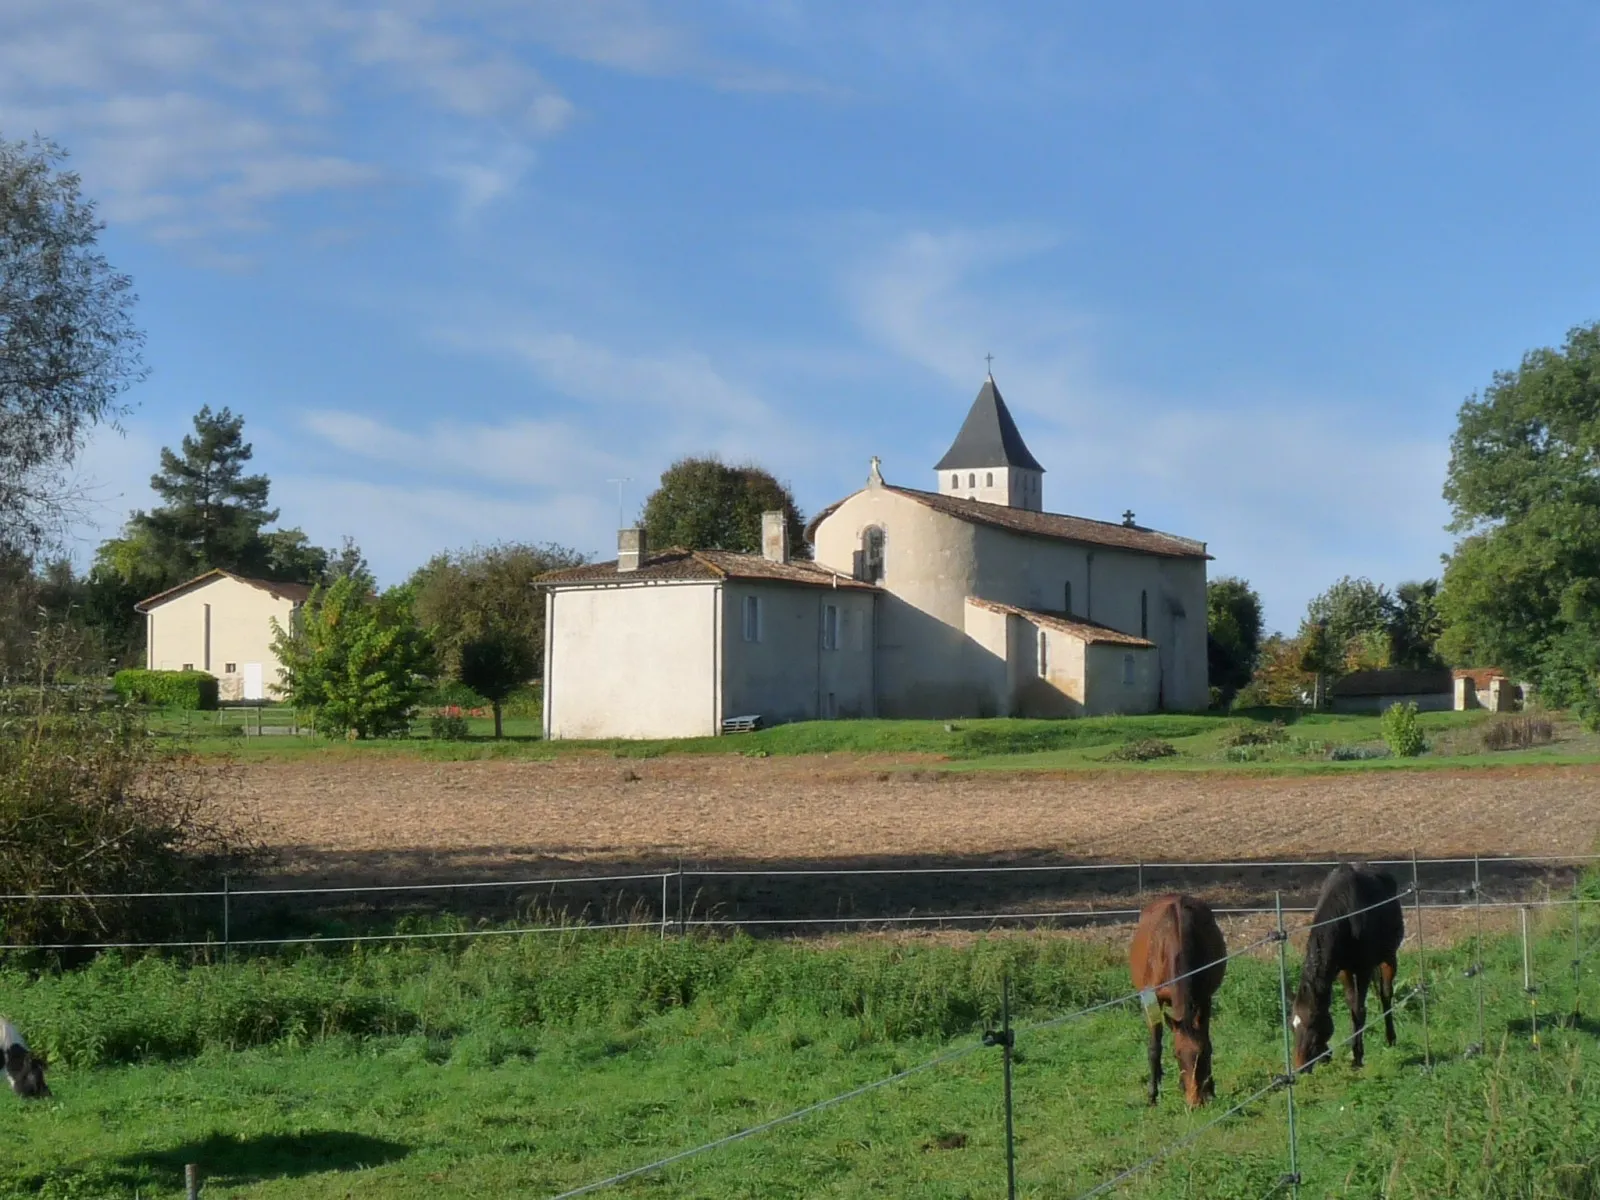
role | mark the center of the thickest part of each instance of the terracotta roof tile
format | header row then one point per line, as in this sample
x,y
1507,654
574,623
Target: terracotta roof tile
x,y
1056,526
678,565
1480,676
1079,627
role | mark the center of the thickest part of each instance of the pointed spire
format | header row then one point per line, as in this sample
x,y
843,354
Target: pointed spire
x,y
988,437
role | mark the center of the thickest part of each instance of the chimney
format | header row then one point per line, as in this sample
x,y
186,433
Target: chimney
x,y
774,537
630,549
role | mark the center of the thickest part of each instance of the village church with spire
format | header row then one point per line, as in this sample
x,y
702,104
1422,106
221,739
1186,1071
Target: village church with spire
x,y
966,600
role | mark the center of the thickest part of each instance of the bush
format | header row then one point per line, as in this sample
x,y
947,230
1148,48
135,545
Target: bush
x,y
193,690
449,726
1143,750
1256,735
1357,753
90,803
451,694
1518,733
1401,732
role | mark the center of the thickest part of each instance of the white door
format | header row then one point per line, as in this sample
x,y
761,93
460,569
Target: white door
x,y
253,689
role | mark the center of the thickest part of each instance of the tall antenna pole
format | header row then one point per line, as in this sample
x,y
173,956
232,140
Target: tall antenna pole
x,y
620,483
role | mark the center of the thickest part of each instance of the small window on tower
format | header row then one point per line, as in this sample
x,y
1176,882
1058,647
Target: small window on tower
x,y
972,479
955,481
988,479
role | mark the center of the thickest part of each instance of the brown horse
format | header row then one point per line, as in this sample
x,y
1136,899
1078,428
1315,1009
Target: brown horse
x,y
1177,963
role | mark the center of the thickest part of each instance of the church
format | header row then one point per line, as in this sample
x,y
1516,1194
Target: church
x,y
966,600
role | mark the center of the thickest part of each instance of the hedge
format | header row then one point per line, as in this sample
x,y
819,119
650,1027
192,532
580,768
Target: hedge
x,y
167,689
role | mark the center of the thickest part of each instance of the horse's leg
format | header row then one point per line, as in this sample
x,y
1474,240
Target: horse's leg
x,y
1202,1070
1386,994
1355,998
1155,1060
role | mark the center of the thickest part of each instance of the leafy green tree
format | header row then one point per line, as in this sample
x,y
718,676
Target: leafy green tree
x,y
1524,494
356,660
348,562
288,556
705,504
68,345
1233,628
1416,625
459,597
1356,615
494,664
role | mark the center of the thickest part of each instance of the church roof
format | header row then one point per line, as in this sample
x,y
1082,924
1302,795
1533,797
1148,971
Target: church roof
x,y
988,437
678,565
1057,526
1081,628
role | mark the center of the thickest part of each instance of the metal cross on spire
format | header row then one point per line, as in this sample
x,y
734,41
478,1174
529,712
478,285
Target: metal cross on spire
x,y
989,359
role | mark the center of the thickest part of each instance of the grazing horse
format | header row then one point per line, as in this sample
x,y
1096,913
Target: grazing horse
x,y
1177,962
24,1069
1357,930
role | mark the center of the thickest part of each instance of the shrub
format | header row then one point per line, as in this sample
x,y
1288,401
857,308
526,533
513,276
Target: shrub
x,y
121,815
1357,753
451,694
1256,735
1518,733
1401,732
1143,750
194,690
449,726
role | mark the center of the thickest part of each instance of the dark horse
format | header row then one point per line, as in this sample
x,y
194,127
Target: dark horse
x,y
1358,928
1177,962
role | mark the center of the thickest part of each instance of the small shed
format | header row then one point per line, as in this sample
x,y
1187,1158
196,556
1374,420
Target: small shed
x,y
1486,687
1374,691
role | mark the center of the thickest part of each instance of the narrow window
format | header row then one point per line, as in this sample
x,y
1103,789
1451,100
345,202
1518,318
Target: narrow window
x,y
1066,605
752,618
230,668
1127,670
830,709
1144,614
830,626
972,479
1044,654
955,481
872,554
988,479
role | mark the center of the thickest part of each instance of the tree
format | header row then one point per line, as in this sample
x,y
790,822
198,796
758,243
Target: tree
x,y
1356,616
68,345
459,597
1416,626
356,660
1233,628
1280,679
705,504
347,562
214,514
1524,494
494,664
288,556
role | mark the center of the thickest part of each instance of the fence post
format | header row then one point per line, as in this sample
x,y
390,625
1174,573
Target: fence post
x,y
664,877
1422,958
191,1181
1527,981
1006,1041
227,918
1282,938
681,929
1477,952
1577,959
1141,882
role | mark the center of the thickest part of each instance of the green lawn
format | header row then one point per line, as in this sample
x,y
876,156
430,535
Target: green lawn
x,y
1203,741
527,1067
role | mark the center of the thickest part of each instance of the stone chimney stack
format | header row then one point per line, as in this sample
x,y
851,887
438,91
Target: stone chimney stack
x,y
630,549
774,537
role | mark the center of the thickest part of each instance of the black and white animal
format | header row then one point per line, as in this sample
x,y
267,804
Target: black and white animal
x,y
24,1068
1358,928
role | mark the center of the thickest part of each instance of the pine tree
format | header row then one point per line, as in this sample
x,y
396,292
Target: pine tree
x,y
213,513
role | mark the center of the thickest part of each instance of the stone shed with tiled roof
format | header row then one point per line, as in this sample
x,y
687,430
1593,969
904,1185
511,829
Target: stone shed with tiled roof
x,y
967,600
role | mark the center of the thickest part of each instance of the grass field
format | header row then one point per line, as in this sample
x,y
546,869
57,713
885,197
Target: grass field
x,y
1300,742
527,1067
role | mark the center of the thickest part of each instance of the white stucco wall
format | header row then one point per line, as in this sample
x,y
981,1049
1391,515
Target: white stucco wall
x,y
1108,694
788,675
929,667
1016,487
633,661
240,624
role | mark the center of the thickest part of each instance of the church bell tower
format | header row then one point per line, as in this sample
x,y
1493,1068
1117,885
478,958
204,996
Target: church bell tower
x,y
989,461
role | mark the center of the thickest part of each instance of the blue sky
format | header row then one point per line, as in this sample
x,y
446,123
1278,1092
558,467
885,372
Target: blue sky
x,y
460,263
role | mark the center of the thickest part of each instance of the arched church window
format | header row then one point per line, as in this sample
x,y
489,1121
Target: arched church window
x,y
1044,655
872,554
988,479
972,479
1067,599
1144,614
955,481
